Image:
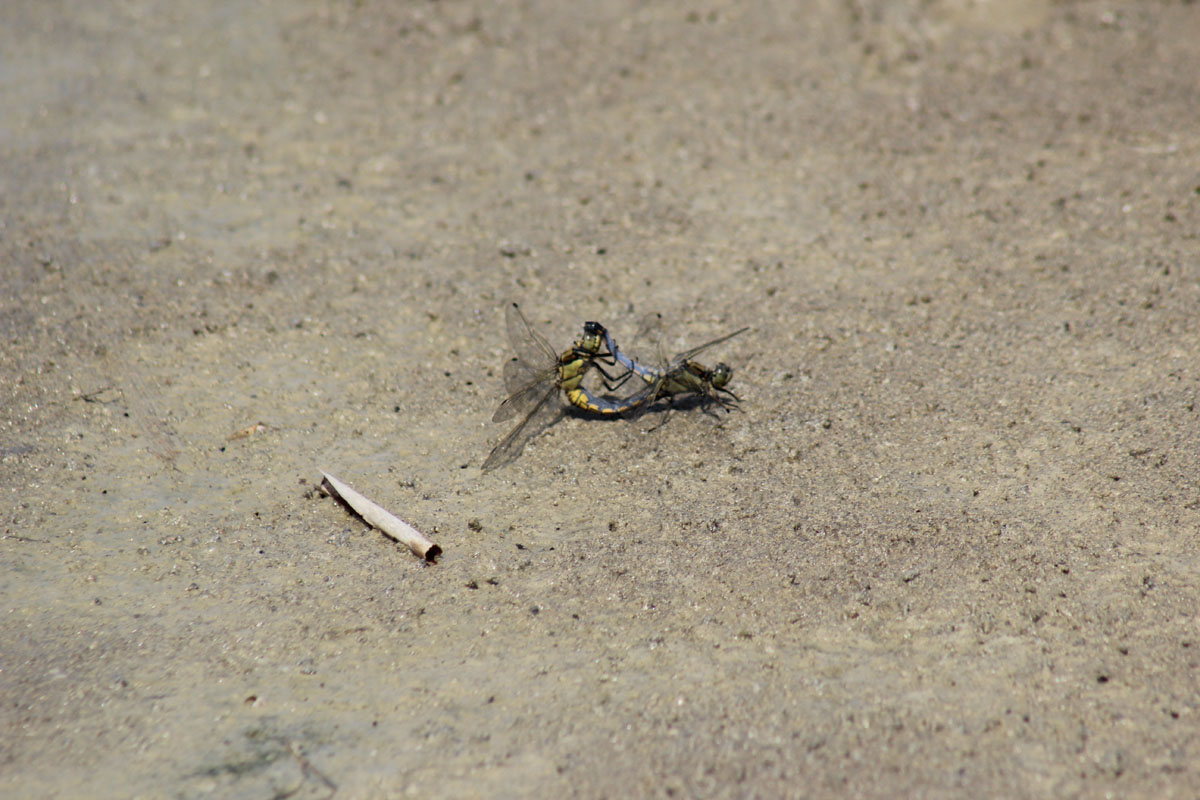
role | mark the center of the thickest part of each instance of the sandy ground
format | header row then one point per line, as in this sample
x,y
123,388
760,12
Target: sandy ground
x,y
948,547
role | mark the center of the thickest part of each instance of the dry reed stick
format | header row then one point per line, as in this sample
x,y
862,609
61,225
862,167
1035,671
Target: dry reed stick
x,y
378,517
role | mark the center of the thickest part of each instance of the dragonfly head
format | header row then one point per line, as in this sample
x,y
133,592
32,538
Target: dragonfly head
x,y
721,375
593,337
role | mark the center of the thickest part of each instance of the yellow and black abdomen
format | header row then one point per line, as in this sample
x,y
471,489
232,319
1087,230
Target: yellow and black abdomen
x,y
582,398
571,369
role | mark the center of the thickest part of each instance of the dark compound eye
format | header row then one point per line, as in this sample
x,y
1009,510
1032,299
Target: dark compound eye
x,y
593,329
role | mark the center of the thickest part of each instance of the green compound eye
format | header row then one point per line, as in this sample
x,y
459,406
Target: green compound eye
x,y
722,374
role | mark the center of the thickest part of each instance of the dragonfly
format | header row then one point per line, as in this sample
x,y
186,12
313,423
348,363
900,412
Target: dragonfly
x,y
536,374
680,375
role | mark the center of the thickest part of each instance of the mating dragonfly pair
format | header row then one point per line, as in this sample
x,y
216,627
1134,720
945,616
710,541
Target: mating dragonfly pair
x,y
536,374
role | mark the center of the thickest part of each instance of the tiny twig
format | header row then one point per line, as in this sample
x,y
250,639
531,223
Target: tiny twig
x,y
94,397
257,427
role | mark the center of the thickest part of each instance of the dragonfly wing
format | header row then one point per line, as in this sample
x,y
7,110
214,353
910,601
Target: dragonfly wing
x,y
529,345
655,374
651,331
525,397
543,415
679,358
518,375
529,377
650,327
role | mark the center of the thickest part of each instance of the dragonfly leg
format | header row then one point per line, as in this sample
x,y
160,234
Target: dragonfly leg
x,y
725,404
716,398
610,382
666,414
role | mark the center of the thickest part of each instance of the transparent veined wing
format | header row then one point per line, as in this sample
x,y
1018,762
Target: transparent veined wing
x,y
527,387
545,414
529,345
